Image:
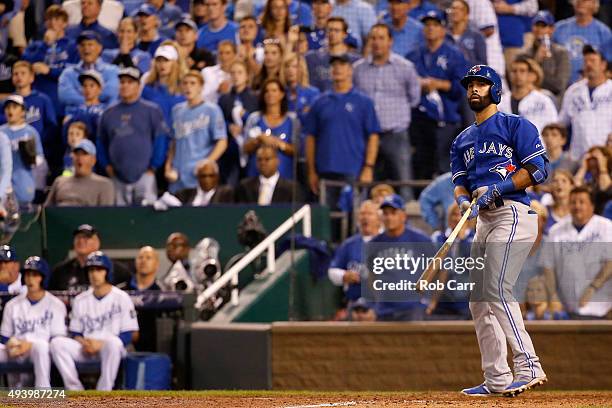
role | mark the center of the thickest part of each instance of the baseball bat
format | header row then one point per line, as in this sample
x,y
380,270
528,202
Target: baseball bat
x,y
431,271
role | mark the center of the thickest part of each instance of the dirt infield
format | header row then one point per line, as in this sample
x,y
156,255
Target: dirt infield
x,y
284,399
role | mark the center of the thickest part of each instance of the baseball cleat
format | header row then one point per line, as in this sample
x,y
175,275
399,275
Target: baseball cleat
x,y
516,388
536,382
478,391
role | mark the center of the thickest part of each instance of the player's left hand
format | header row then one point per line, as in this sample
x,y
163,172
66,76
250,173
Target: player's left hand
x,y
486,196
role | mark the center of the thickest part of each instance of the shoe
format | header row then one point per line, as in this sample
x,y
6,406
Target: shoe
x,y
478,391
536,382
516,388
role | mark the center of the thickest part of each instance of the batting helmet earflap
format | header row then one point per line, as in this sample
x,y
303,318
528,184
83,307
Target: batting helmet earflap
x,y
100,260
487,74
38,264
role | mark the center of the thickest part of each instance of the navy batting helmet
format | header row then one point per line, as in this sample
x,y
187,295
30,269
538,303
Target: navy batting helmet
x,y
38,264
7,254
100,260
488,74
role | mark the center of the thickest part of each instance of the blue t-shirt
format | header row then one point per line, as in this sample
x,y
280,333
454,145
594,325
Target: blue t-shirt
x,y
316,38
512,27
342,124
408,38
284,131
22,179
574,37
196,130
494,150
304,98
349,256
132,138
88,114
209,39
109,40
447,63
158,94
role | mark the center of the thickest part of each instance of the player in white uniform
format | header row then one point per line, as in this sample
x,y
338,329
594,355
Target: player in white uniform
x,y
30,320
533,105
495,160
577,260
102,323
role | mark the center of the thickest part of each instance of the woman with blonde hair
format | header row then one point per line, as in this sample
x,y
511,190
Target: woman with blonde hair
x,y
161,84
300,94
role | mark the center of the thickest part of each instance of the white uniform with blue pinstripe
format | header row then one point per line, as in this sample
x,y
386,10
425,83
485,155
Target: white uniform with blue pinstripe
x,y
484,154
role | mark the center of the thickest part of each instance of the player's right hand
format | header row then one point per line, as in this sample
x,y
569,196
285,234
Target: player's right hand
x,y
464,205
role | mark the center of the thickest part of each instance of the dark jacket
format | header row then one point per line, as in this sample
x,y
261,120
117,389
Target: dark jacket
x,y
223,194
248,191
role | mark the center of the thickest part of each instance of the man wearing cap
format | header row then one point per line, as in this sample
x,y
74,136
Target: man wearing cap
x,y
90,11
440,66
552,57
148,28
587,105
397,231
392,82
186,35
342,129
318,61
169,14
218,28
407,32
10,277
50,56
575,32
84,188
71,274
128,55
359,16
29,165
69,87
132,140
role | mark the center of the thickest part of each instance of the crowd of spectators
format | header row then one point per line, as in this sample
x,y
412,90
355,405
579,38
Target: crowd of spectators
x,y
169,103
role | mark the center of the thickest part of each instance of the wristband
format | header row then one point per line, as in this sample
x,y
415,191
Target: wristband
x,y
506,186
461,199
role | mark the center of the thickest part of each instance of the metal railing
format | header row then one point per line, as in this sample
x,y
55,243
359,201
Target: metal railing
x,y
231,276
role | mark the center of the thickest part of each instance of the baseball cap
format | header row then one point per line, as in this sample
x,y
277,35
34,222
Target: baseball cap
x,y
87,146
89,35
91,74
591,49
393,200
167,51
85,229
344,58
145,9
543,16
131,72
7,254
16,99
187,22
437,15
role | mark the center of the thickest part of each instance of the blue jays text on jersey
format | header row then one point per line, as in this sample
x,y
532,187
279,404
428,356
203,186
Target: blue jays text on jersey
x,y
490,152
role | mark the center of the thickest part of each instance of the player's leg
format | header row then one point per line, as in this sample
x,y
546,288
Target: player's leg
x,y
511,240
41,359
65,352
110,356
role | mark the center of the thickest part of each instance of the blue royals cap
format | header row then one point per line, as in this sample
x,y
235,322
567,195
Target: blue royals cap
x,y
89,35
145,9
87,146
393,200
437,15
7,254
543,16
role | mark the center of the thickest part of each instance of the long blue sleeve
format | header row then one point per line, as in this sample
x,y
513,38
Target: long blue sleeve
x,y
69,89
102,143
111,84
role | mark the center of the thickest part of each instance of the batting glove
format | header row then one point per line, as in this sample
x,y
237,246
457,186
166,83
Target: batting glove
x,y
487,196
464,205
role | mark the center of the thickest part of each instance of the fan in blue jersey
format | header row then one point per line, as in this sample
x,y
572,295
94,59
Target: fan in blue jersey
x,y
28,157
52,54
218,28
90,12
272,125
199,134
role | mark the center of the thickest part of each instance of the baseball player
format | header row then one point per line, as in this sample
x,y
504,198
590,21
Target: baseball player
x,y
102,323
30,320
494,160
10,277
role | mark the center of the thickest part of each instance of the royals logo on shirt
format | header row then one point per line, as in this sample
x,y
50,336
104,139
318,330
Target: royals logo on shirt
x,y
504,169
348,107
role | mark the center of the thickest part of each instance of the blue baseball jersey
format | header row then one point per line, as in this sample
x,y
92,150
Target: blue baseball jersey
x,y
316,38
22,179
494,150
209,39
349,256
159,95
196,130
285,132
40,114
88,114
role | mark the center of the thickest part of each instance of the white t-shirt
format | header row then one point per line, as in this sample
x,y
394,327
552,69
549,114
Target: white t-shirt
x,y
536,107
213,77
590,117
41,320
576,258
99,318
